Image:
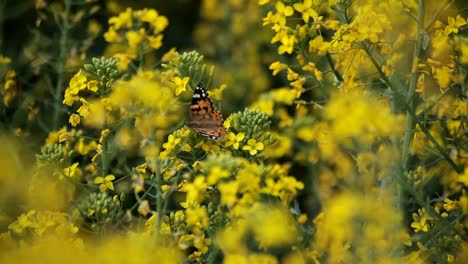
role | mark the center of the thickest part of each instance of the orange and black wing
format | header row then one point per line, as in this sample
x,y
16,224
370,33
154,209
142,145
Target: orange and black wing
x,y
205,117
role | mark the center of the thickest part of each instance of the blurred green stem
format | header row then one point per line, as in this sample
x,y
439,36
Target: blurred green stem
x,y
61,64
2,17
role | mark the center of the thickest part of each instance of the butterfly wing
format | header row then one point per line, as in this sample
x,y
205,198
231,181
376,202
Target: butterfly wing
x,y
205,117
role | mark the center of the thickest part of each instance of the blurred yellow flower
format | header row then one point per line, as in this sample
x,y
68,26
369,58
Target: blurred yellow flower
x,y
155,42
228,192
216,174
134,38
144,208
273,226
107,103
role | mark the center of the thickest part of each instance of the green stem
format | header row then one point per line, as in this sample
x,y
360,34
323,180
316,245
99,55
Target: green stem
x,y
411,107
439,148
104,157
104,152
397,89
159,204
332,67
60,66
410,113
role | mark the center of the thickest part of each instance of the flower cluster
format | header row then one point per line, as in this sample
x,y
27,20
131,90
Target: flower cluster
x,y
137,31
351,149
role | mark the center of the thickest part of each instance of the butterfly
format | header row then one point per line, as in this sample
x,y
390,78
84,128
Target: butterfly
x,y
205,118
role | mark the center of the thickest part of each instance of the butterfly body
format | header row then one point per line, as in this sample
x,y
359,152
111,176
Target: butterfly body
x,y
205,118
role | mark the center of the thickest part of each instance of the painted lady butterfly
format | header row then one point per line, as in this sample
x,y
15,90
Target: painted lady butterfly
x,y
205,117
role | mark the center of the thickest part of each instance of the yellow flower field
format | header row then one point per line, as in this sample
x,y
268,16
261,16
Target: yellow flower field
x,y
344,137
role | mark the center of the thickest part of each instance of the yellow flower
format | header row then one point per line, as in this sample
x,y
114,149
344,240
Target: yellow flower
x,y
450,205
104,134
306,9
195,191
74,120
160,23
287,44
312,68
421,221
263,2
443,76
141,168
124,60
73,170
216,173
234,140
197,216
170,55
270,19
216,94
253,146
298,86
284,10
134,38
144,208
292,75
277,66
84,108
64,135
454,24
93,85
317,45
181,84
107,102
228,192
69,99
77,83
147,15
112,36
155,41
105,182
169,145
272,226
4,60
123,20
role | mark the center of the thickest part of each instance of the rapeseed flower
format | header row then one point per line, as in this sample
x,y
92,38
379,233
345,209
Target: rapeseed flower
x,y
105,182
253,146
306,9
421,221
73,171
234,140
181,84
